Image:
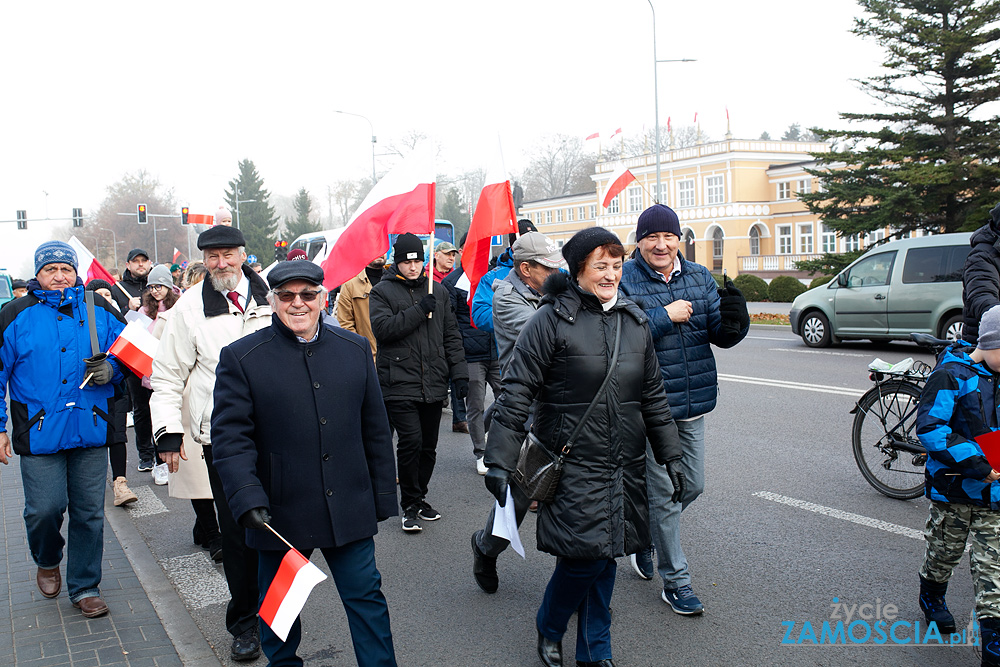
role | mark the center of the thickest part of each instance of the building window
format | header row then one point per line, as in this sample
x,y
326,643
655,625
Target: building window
x,y
583,212
548,217
828,238
877,236
634,199
806,238
685,193
784,239
569,214
784,190
754,240
715,189
593,211
664,189
717,249
613,206
559,215
804,186
851,243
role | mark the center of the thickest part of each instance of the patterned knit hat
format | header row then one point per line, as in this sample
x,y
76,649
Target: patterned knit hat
x,y
54,252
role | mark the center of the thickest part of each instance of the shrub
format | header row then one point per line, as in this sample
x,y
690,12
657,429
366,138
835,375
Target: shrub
x,y
784,289
753,287
718,279
820,280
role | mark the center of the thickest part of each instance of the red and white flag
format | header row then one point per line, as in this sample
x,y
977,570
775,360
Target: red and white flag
x,y
135,347
288,592
696,116
494,215
669,129
619,180
595,135
616,133
200,219
88,268
177,256
403,201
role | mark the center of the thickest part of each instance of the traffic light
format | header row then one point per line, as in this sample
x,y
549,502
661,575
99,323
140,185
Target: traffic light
x,y
184,215
280,251
78,217
140,210
22,219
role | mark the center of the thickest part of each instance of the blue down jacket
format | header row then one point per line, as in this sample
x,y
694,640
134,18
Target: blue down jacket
x,y
482,301
958,404
479,344
683,350
44,338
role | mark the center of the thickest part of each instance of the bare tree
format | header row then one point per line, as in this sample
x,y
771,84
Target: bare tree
x,y
346,196
559,166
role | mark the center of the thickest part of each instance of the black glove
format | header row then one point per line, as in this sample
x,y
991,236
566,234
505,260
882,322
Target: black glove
x,y
497,480
257,518
733,306
101,369
677,480
461,388
427,303
170,442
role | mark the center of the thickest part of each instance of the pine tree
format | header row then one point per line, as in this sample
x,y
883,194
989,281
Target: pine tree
x,y
303,223
453,210
930,159
257,220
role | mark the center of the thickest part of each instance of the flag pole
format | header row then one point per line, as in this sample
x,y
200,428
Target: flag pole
x,y
430,268
280,537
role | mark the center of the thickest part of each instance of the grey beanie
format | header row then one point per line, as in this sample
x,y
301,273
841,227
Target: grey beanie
x,y
989,329
160,275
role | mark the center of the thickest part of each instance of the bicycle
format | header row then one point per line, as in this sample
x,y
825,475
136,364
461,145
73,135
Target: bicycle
x,y
884,437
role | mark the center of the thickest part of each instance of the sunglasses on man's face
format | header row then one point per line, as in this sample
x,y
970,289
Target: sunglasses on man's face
x,y
288,295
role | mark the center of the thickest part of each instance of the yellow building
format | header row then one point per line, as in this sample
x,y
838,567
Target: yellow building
x,y
735,199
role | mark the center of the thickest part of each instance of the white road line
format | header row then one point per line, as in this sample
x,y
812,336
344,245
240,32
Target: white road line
x,y
790,338
197,579
799,386
835,354
147,505
840,514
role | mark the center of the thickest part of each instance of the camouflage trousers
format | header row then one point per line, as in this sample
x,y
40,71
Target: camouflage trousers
x,y
949,527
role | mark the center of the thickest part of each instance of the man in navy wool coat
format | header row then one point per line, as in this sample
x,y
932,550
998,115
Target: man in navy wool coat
x,y
302,443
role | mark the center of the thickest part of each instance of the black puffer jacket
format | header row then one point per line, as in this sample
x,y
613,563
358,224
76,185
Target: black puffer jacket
x,y
134,285
479,344
981,280
416,356
559,361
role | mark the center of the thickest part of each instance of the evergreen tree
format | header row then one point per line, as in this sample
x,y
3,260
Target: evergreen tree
x,y
257,220
930,159
793,133
303,223
454,210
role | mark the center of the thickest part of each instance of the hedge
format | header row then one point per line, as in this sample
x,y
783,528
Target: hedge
x,y
784,289
753,287
820,280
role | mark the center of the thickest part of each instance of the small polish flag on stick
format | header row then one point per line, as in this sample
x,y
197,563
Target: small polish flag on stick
x,y
619,180
200,219
289,590
135,347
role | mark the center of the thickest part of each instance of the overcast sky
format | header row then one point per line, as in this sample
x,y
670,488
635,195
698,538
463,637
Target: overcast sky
x,y
185,90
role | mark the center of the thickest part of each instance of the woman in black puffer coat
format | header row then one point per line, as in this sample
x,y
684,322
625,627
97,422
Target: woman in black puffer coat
x,y
600,511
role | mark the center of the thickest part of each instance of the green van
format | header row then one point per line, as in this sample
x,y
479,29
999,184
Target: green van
x,y
6,290
894,289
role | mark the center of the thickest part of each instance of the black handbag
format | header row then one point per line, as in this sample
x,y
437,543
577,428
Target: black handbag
x,y
538,467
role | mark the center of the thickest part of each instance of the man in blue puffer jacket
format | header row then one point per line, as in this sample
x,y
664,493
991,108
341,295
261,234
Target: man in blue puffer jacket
x,y
59,430
687,315
482,301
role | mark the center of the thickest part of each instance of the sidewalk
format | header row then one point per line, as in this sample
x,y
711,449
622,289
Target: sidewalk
x,y
45,633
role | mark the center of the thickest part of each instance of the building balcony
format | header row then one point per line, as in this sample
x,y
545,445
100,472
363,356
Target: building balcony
x,y
771,266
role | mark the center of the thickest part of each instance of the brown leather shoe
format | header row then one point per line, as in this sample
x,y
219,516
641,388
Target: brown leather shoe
x,y
92,607
49,581
460,427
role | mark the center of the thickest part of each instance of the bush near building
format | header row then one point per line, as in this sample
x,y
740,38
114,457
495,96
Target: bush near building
x,y
784,289
754,288
820,280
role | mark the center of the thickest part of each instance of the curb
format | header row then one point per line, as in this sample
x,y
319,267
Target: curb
x,y
771,327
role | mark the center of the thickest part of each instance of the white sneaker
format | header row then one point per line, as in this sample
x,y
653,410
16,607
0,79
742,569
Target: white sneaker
x,y
481,466
160,474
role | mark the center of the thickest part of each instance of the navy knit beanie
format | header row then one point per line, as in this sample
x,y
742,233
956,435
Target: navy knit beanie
x,y
583,243
657,218
54,252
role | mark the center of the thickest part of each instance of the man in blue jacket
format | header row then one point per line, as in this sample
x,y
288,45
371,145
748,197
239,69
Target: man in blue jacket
x,y
482,301
301,443
61,399
687,315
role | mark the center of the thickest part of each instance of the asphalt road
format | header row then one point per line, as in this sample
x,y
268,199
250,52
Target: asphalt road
x,y
786,524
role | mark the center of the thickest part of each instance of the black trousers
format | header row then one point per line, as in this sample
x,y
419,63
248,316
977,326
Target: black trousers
x,y
140,414
416,425
239,562
117,451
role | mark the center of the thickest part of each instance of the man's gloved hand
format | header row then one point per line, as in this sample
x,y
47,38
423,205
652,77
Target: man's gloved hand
x,y
676,479
100,368
461,388
427,303
257,518
497,480
733,306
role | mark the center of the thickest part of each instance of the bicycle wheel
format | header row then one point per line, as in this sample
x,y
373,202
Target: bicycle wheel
x,y
885,443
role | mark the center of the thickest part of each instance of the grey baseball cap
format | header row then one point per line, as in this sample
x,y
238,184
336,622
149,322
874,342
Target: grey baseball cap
x,y
537,247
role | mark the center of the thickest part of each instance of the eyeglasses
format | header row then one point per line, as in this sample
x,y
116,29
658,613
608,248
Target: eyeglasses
x,y
153,287
288,296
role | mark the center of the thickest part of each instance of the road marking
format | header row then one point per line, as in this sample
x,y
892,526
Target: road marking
x,y
799,386
147,505
840,514
789,339
197,579
835,354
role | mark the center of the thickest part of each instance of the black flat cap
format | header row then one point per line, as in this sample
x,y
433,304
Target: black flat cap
x,y
221,236
135,252
295,270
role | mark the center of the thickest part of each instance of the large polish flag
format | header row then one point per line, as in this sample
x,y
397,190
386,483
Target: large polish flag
x,y
135,347
88,268
403,201
288,592
494,215
619,180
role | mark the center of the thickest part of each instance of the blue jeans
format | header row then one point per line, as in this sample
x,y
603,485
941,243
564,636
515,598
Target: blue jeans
x,y
585,587
74,479
664,515
458,411
360,586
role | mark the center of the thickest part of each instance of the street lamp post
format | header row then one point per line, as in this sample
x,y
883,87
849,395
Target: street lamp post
x,y
114,247
238,202
348,113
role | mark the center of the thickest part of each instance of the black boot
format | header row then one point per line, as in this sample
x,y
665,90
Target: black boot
x,y
989,634
549,651
933,605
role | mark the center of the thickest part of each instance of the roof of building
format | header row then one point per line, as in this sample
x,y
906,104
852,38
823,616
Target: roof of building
x,y
588,193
